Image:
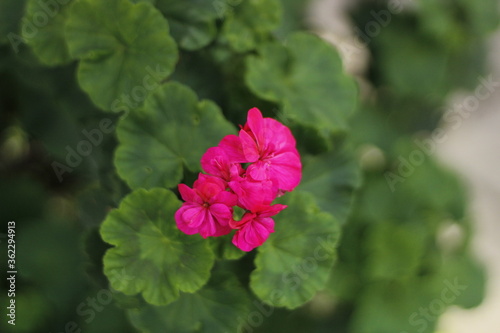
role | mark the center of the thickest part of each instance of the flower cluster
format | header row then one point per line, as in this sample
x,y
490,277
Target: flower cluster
x,y
267,148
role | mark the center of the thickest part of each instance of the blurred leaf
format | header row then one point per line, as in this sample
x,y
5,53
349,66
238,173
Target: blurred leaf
x,y
393,307
483,16
192,21
294,263
249,21
216,308
465,278
11,12
225,249
332,178
307,78
394,251
125,50
425,76
151,256
173,129
47,40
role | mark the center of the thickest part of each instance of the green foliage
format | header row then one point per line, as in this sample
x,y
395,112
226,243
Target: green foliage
x,y
296,260
151,256
173,129
305,77
98,247
47,41
217,307
118,45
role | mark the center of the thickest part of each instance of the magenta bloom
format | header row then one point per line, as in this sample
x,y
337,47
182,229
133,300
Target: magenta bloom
x,y
271,167
208,207
253,194
217,163
255,227
270,147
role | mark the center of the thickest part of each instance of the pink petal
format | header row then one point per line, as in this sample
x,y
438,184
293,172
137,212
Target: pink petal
x,y
231,145
181,222
226,198
209,186
278,135
222,213
194,216
268,211
255,123
284,168
215,162
253,193
254,233
188,194
249,146
208,228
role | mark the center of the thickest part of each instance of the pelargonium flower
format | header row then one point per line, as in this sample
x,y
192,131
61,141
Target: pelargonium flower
x,y
273,167
255,227
217,163
270,147
252,194
207,209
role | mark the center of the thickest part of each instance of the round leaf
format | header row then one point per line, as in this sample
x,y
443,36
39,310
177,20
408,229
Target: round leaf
x,y
295,261
151,256
192,21
307,79
332,178
43,30
125,50
216,308
249,21
173,129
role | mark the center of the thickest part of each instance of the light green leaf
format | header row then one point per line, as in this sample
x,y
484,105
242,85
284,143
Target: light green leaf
x,y
173,129
151,256
394,251
332,178
307,79
124,49
295,261
250,21
216,308
43,30
192,21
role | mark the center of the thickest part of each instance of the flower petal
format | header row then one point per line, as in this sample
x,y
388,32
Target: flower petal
x,y
231,144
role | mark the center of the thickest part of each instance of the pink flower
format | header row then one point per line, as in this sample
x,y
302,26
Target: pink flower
x,y
217,163
270,147
208,207
252,194
254,228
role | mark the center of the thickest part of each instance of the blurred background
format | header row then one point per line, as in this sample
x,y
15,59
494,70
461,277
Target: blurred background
x,y
471,147
420,252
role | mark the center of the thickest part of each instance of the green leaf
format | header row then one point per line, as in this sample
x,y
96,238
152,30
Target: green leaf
x,y
250,21
124,49
192,21
295,261
151,256
307,79
216,308
224,248
394,251
398,304
43,30
332,178
11,12
173,129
